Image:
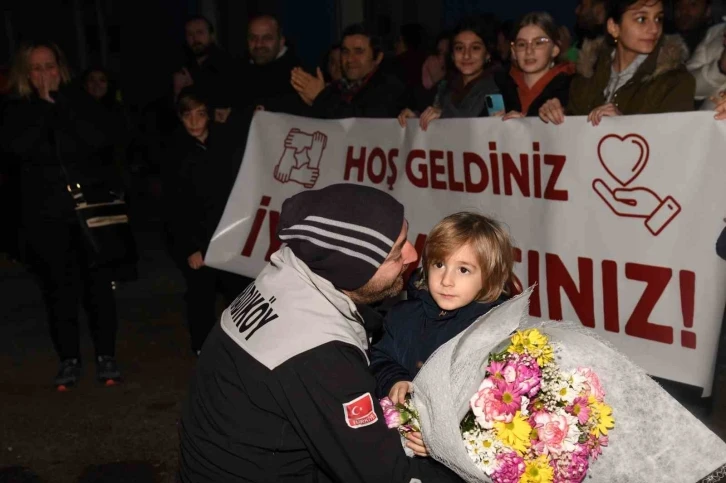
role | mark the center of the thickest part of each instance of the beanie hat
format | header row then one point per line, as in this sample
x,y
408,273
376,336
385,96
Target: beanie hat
x,y
342,232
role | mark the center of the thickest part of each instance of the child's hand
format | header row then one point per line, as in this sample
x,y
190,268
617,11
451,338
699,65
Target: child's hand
x,y
399,390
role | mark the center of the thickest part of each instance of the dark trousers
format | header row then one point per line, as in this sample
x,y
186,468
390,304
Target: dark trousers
x,y
201,295
58,257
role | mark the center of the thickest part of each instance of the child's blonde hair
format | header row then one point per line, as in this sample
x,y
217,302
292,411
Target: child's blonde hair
x,y
491,243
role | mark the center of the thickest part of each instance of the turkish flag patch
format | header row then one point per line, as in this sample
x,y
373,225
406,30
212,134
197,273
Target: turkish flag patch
x,y
360,412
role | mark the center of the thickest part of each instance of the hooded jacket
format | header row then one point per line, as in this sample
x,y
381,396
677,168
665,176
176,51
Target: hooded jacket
x,y
413,330
661,84
282,392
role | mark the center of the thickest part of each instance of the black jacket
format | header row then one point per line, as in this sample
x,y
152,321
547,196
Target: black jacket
x,y
197,180
557,88
218,78
282,392
269,85
383,96
36,132
413,330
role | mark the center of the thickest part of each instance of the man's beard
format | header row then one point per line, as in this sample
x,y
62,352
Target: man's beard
x,y
262,55
375,291
200,50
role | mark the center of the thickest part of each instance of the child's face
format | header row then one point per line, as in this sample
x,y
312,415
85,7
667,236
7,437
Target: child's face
x,y
456,281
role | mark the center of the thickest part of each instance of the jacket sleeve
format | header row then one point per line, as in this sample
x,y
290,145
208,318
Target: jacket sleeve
x,y
25,127
384,364
704,64
316,386
679,94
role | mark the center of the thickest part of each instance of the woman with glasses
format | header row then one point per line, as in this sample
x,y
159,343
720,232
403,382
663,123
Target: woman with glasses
x,y
472,44
535,75
636,70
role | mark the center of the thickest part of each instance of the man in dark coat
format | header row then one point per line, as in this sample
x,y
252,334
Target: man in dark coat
x,y
212,70
266,74
364,90
282,391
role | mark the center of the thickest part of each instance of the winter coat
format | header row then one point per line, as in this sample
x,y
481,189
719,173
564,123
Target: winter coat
x,y
413,330
218,78
269,85
704,63
472,103
282,392
197,179
382,96
554,85
36,132
661,83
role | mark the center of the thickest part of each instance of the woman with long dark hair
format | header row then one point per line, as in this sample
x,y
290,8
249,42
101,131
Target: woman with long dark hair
x,y
56,133
472,44
635,70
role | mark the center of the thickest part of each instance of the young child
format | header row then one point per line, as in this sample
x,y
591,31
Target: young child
x,y
467,270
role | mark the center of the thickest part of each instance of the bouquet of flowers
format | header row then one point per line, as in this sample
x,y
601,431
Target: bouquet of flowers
x,y
532,422
530,407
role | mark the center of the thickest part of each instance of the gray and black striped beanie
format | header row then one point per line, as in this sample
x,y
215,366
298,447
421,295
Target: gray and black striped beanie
x,y
342,232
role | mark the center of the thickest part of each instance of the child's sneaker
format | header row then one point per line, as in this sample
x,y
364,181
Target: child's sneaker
x,y
107,370
68,374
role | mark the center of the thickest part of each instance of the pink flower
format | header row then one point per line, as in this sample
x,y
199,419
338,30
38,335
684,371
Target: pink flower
x,y
496,369
595,444
553,431
390,413
528,375
571,467
592,383
510,468
495,401
386,402
580,409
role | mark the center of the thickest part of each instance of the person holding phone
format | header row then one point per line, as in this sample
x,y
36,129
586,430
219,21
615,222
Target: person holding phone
x,y
536,75
465,95
636,70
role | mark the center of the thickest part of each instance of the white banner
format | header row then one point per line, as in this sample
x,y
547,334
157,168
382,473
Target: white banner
x,y
616,224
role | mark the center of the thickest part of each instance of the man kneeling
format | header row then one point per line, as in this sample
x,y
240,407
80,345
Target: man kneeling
x,y
282,391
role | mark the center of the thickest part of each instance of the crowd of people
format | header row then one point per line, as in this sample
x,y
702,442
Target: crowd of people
x,y
59,132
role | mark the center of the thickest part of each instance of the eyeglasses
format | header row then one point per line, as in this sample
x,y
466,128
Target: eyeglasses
x,y
536,44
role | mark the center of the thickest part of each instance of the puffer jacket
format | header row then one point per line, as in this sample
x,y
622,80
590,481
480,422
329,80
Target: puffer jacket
x,y
661,84
704,63
413,330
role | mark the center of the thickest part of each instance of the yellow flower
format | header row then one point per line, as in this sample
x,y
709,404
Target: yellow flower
x,y
534,343
601,417
514,434
537,471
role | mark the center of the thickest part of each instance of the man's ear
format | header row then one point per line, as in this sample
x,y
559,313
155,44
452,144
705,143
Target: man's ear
x,y
282,42
379,58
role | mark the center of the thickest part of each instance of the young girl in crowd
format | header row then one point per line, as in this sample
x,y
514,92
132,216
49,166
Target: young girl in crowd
x,y
467,269
536,75
465,95
638,71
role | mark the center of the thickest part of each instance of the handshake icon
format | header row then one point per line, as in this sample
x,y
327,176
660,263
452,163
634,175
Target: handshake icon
x,y
300,160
